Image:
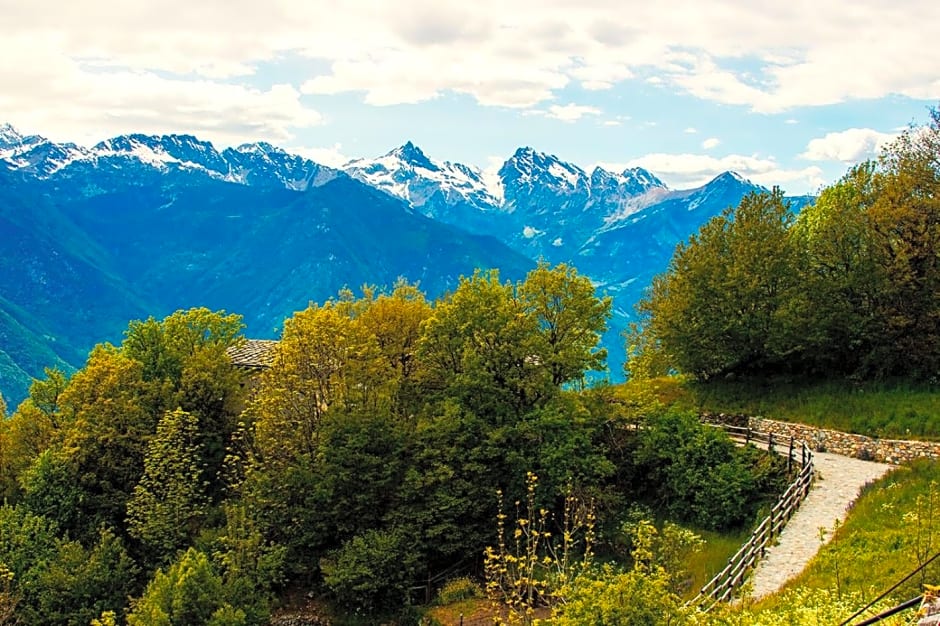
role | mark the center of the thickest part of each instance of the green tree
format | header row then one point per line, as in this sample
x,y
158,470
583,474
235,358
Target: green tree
x,y
51,489
694,473
722,306
483,349
189,592
105,403
169,503
841,275
906,219
251,566
395,321
570,318
32,428
324,360
80,584
184,365
371,572
164,347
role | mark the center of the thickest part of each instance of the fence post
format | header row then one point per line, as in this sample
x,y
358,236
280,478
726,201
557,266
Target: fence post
x,y
747,437
770,443
790,456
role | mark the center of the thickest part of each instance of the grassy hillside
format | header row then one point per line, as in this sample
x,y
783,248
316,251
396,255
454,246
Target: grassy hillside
x,y
899,410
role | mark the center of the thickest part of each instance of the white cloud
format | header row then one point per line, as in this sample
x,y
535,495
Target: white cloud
x,y
711,142
517,55
571,112
68,99
332,156
690,130
684,171
848,146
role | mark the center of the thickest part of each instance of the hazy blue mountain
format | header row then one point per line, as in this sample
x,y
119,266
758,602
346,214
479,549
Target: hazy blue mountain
x,y
618,228
142,225
452,193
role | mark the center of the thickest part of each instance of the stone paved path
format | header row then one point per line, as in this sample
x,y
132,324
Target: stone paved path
x,y
838,481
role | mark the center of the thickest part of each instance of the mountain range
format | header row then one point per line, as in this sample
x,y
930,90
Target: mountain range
x,y
141,225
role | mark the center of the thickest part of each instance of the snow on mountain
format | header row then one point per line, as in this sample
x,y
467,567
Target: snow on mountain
x,y
527,169
9,137
263,163
33,152
451,192
42,158
619,229
163,152
249,164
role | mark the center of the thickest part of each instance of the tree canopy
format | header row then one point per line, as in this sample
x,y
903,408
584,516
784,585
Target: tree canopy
x,y
848,288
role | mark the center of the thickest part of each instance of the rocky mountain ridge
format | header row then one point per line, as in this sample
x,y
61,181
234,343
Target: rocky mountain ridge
x,y
162,222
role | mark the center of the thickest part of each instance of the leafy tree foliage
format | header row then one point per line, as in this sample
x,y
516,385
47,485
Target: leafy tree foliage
x,y
78,585
718,309
695,473
169,503
57,581
847,289
190,591
372,571
30,430
361,464
570,320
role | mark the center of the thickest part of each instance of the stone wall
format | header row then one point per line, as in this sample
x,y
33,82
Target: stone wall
x,y
825,440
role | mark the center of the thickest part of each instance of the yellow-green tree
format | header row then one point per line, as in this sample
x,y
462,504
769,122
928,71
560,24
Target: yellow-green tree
x,y
395,320
169,503
906,219
482,348
841,275
570,319
32,428
722,306
325,361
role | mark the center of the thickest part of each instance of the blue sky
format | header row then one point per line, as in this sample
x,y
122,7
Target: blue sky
x,y
786,94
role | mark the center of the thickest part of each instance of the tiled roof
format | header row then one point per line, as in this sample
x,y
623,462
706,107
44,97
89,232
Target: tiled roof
x,y
253,353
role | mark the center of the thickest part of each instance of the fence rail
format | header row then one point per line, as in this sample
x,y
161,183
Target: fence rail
x,y
722,587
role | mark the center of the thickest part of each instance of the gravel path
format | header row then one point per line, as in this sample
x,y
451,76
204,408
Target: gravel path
x,y
838,481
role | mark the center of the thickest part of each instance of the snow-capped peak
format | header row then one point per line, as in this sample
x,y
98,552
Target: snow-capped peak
x,y
530,167
260,148
162,150
731,177
9,136
412,155
430,186
641,178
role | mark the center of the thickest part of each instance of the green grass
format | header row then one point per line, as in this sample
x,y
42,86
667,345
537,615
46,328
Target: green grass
x,y
899,410
713,557
892,528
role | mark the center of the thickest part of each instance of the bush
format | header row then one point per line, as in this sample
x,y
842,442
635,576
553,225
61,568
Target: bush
x,y
459,589
371,572
189,592
696,474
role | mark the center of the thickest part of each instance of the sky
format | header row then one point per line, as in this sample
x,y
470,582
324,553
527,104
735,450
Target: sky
x,y
784,93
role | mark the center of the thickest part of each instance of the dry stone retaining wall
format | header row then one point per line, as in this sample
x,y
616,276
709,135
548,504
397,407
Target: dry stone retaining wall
x,y
892,451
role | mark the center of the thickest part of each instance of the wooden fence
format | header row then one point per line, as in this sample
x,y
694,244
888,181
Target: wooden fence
x,y
721,588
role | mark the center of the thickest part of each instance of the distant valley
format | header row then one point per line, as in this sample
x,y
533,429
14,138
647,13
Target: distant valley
x,y
142,225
